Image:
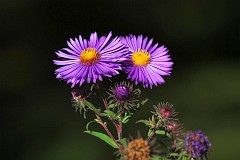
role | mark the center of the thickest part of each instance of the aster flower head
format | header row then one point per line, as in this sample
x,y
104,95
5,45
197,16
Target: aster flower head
x,y
137,149
123,96
88,60
197,145
146,63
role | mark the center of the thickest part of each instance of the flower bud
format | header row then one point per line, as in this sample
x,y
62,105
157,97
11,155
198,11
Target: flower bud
x,y
173,127
122,92
124,97
166,112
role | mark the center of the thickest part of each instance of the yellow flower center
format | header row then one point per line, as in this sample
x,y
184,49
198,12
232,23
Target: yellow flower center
x,y
138,150
89,56
141,58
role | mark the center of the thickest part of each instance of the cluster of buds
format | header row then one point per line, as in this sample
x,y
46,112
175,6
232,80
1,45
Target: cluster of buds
x,y
165,114
197,145
122,100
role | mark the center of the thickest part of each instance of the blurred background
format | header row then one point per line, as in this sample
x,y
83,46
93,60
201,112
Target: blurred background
x,y
37,118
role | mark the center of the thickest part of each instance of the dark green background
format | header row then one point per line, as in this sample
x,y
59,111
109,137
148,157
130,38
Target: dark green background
x,y
37,120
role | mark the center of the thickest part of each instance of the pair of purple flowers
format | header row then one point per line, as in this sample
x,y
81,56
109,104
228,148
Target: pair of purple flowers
x,y
91,60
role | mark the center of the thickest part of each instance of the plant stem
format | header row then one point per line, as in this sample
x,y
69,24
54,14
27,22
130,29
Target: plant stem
x,y
102,95
107,108
118,128
106,128
109,133
121,128
153,132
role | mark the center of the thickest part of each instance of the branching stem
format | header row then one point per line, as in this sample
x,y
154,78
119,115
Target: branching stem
x,y
109,133
117,126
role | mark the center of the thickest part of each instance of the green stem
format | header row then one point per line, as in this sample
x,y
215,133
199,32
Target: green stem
x,y
153,132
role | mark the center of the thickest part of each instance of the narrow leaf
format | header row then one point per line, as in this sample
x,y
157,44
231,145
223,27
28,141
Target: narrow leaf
x,y
126,119
111,106
173,154
103,137
93,108
180,157
94,121
161,132
144,101
110,113
146,122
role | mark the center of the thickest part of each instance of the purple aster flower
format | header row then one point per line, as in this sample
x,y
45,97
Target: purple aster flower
x,y
89,60
197,145
146,63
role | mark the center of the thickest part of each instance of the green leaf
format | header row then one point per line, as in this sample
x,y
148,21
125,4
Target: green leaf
x,y
144,101
173,154
184,158
161,132
93,108
180,157
126,119
111,106
103,137
94,121
146,122
123,142
110,114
